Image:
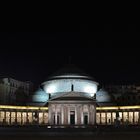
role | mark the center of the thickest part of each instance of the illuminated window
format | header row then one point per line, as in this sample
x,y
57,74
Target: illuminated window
x,y
98,118
19,117
8,117
103,118
113,116
13,114
136,117
108,118
125,117
120,117
24,118
2,116
41,118
30,117
46,118
130,114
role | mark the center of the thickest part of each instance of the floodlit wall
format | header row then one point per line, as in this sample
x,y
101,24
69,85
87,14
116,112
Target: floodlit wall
x,y
65,85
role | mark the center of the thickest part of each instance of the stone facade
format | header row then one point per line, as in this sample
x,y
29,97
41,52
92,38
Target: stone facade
x,y
72,109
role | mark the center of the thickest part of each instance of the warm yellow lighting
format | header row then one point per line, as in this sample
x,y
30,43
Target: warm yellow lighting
x,y
46,108
107,108
118,107
22,107
130,107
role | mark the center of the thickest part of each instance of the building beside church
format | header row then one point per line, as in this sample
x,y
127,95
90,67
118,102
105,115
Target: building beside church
x,y
9,88
71,98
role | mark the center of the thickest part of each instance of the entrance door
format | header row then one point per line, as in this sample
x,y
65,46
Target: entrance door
x,y
72,117
85,119
58,119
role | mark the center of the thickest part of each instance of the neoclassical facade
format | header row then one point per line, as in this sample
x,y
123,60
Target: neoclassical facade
x,y
72,109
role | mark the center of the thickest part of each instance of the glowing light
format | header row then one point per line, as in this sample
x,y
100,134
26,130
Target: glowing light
x,y
90,89
118,107
22,107
46,108
64,85
107,108
51,89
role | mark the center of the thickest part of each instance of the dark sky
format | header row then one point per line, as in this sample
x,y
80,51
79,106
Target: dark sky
x,y
108,52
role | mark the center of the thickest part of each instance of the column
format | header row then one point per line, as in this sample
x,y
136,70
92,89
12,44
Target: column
x,y
75,114
21,117
100,118
133,117
43,117
27,120
68,112
10,117
94,114
82,114
49,115
26,117
90,115
16,117
56,116
122,118
105,117
111,118
32,117
139,118
4,116
62,115
38,117
128,117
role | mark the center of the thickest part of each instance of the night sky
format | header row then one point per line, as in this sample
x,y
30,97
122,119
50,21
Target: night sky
x,y
110,53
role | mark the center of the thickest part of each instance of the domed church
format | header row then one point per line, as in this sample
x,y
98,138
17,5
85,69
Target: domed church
x,y
71,97
66,80
68,98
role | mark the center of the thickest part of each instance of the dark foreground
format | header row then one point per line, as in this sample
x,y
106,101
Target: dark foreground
x,y
43,133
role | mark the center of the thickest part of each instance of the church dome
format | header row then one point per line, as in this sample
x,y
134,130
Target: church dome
x,y
70,71
103,96
69,76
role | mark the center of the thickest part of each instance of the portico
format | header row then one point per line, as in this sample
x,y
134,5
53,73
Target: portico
x,y
72,109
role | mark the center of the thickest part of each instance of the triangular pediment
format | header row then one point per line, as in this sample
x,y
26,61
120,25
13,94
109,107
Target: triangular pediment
x,y
73,95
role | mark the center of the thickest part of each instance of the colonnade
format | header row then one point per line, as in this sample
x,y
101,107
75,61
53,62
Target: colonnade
x,y
10,116
77,114
120,117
